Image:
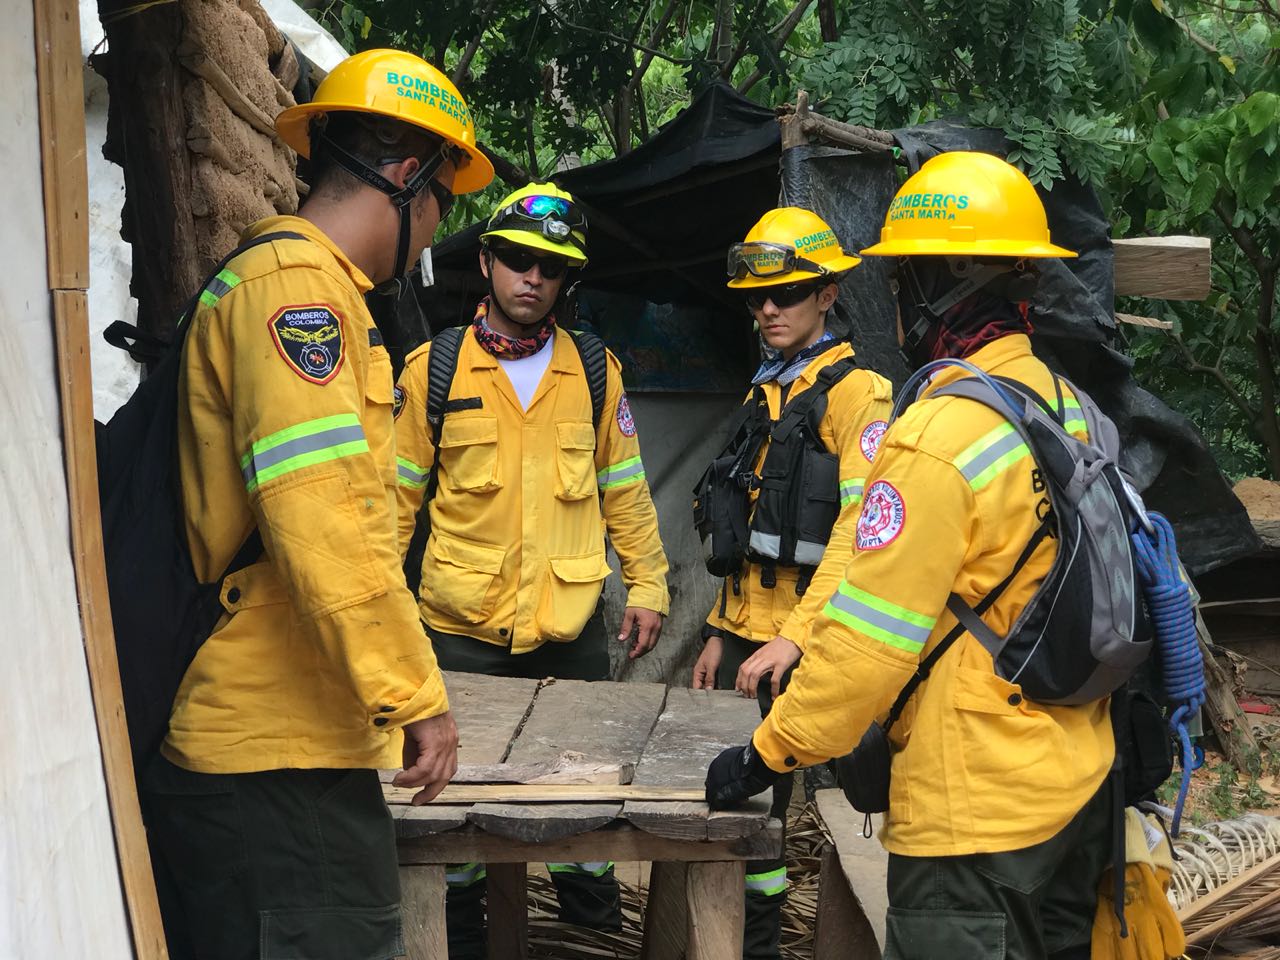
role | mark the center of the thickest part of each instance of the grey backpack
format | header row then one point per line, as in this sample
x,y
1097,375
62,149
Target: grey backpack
x,y
1085,630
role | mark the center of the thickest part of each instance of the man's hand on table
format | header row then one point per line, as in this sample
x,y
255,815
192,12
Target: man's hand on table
x,y
430,756
647,625
737,774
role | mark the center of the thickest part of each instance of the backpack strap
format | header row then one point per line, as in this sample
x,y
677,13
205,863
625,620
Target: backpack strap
x,y
797,410
442,364
595,364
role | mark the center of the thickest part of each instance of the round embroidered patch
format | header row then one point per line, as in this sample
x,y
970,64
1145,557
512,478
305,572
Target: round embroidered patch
x,y
397,397
626,423
883,516
871,437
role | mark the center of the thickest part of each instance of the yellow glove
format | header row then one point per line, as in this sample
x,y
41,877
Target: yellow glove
x,y
1154,930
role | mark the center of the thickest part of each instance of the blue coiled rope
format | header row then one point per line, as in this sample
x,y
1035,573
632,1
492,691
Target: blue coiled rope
x,y
1173,616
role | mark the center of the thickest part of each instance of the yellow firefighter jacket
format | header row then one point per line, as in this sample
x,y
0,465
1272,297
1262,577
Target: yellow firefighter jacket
x,y
857,413
285,423
951,501
516,555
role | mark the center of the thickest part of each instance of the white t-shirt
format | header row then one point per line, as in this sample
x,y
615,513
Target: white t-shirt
x,y
526,373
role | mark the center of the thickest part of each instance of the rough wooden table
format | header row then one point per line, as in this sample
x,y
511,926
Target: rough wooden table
x,y
655,738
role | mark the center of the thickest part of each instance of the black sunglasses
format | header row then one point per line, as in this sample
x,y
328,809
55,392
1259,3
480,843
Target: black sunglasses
x,y
444,197
522,260
783,295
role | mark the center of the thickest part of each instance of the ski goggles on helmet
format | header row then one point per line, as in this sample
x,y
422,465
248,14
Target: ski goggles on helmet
x,y
554,217
762,259
783,295
523,259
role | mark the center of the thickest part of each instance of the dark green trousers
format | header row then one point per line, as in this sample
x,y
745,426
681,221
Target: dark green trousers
x,y
766,879
588,892
1028,904
278,865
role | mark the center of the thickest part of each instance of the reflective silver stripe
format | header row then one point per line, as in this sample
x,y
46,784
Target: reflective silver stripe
x,y
464,874
851,491
308,443
619,473
766,544
916,634
1005,445
768,883
409,473
809,554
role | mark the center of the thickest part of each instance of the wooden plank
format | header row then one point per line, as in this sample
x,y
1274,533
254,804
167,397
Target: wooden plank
x,y
741,821
589,722
864,862
1164,268
548,823
841,930
507,896
1243,912
71,322
1201,905
60,90
618,841
545,793
694,727
666,915
715,898
1151,322
422,890
488,712
413,821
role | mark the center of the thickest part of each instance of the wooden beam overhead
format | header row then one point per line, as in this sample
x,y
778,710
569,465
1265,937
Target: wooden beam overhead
x,y
1162,268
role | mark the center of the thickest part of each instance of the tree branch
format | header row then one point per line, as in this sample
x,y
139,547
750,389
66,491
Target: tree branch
x,y
1194,366
509,173
655,38
1244,240
726,69
570,25
787,28
464,63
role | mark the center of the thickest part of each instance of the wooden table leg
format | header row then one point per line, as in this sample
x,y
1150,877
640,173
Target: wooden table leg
x,y
842,930
666,914
715,898
422,907
508,910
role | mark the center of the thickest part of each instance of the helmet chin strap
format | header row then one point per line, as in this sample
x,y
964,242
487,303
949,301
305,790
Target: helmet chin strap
x,y
401,197
914,306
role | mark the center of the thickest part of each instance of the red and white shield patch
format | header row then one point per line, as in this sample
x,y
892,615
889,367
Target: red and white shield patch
x,y
871,437
883,515
626,423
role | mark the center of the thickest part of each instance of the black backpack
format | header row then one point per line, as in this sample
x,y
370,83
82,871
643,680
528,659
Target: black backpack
x,y
442,364
161,612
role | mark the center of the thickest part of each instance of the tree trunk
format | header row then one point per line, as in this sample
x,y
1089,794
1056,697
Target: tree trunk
x,y
722,41
147,136
1269,416
827,21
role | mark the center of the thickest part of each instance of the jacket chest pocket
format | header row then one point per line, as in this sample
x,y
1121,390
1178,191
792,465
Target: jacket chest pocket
x,y
575,460
469,454
378,402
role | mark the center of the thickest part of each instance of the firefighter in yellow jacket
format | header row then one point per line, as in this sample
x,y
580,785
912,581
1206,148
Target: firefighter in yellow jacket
x,y
268,829
786,269
526,485
997,827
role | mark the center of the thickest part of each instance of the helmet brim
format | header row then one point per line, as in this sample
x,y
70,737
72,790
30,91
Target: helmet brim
x,y
960,248
836,266
293,125
536,241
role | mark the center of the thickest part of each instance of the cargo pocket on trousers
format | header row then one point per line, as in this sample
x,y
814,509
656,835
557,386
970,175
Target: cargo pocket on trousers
x,y
933,934
195,820
575,461
369,933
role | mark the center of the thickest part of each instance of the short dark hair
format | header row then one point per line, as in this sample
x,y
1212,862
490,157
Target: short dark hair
x,y
369,137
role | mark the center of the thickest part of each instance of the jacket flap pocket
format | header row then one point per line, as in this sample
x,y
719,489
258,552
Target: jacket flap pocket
x,y
257,585
575,435
473,556
586,569
981,691
467,431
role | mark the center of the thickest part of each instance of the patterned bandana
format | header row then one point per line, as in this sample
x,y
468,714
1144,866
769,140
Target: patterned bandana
x,y
974,322
775,367
510,348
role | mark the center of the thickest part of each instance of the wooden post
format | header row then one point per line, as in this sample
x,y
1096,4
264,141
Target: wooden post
x,y
793,132
508,910
841,930
422,891
1224,713
666,915
715,897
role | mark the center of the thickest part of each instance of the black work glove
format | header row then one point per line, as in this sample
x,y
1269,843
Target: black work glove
x,y
735,775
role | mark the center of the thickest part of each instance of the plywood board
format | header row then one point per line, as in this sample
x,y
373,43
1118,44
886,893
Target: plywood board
x,y
589,722
488,712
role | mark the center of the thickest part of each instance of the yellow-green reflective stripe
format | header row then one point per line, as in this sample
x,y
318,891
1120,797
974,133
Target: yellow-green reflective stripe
x,y
851,491
409,474
982,443
598,869
620,474
1076,426
995,451
768,883
302,445
223,283
464,874
879,619
999,465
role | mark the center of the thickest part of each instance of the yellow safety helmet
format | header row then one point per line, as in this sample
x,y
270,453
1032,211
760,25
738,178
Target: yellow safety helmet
x,y
786,245
544,217
394,84
966,204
